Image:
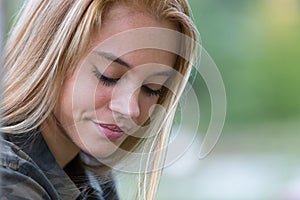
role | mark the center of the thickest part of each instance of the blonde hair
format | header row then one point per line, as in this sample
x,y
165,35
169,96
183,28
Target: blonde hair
x,y
50,38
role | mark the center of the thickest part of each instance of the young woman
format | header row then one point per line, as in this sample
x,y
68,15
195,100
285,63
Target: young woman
x,y
91,86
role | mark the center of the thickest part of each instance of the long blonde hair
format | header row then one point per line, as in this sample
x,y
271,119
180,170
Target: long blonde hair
x,y
49,39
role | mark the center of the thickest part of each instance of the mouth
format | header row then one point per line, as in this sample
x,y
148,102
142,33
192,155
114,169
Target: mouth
x,y
111,131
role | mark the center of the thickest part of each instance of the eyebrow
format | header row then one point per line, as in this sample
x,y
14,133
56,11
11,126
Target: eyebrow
x,y
113,58
165,73
118,60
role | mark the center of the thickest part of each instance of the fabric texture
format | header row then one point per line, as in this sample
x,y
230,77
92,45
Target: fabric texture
x,y
28,170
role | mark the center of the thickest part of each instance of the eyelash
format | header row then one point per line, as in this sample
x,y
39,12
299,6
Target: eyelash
x,y
151,92
106,81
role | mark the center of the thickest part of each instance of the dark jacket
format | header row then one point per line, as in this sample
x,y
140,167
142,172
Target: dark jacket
x,y
28,170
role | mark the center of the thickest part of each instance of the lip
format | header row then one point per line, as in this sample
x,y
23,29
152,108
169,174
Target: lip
x,y
111,131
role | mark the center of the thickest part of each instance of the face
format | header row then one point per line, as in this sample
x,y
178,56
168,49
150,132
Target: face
x,y
109,95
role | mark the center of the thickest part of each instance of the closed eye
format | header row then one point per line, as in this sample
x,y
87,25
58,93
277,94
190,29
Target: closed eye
x,y
104,79
151,92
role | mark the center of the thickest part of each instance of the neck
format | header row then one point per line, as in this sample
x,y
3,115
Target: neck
x,y
60,145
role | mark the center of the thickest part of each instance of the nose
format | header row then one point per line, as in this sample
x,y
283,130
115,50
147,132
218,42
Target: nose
x,y
125,101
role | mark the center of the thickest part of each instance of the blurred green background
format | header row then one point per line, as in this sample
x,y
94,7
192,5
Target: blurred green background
x,y
256,45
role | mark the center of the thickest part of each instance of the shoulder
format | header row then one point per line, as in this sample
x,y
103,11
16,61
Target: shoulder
x,y
11,156
20,176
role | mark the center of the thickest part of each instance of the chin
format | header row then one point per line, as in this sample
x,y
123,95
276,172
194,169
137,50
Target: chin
x,y
100,151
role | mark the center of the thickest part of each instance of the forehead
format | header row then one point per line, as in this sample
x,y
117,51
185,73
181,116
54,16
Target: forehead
x,y
121,19
137,37
136,16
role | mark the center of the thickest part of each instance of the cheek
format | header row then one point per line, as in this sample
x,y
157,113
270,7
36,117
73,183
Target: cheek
x,y
76,96
88,93
102,96
146,104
